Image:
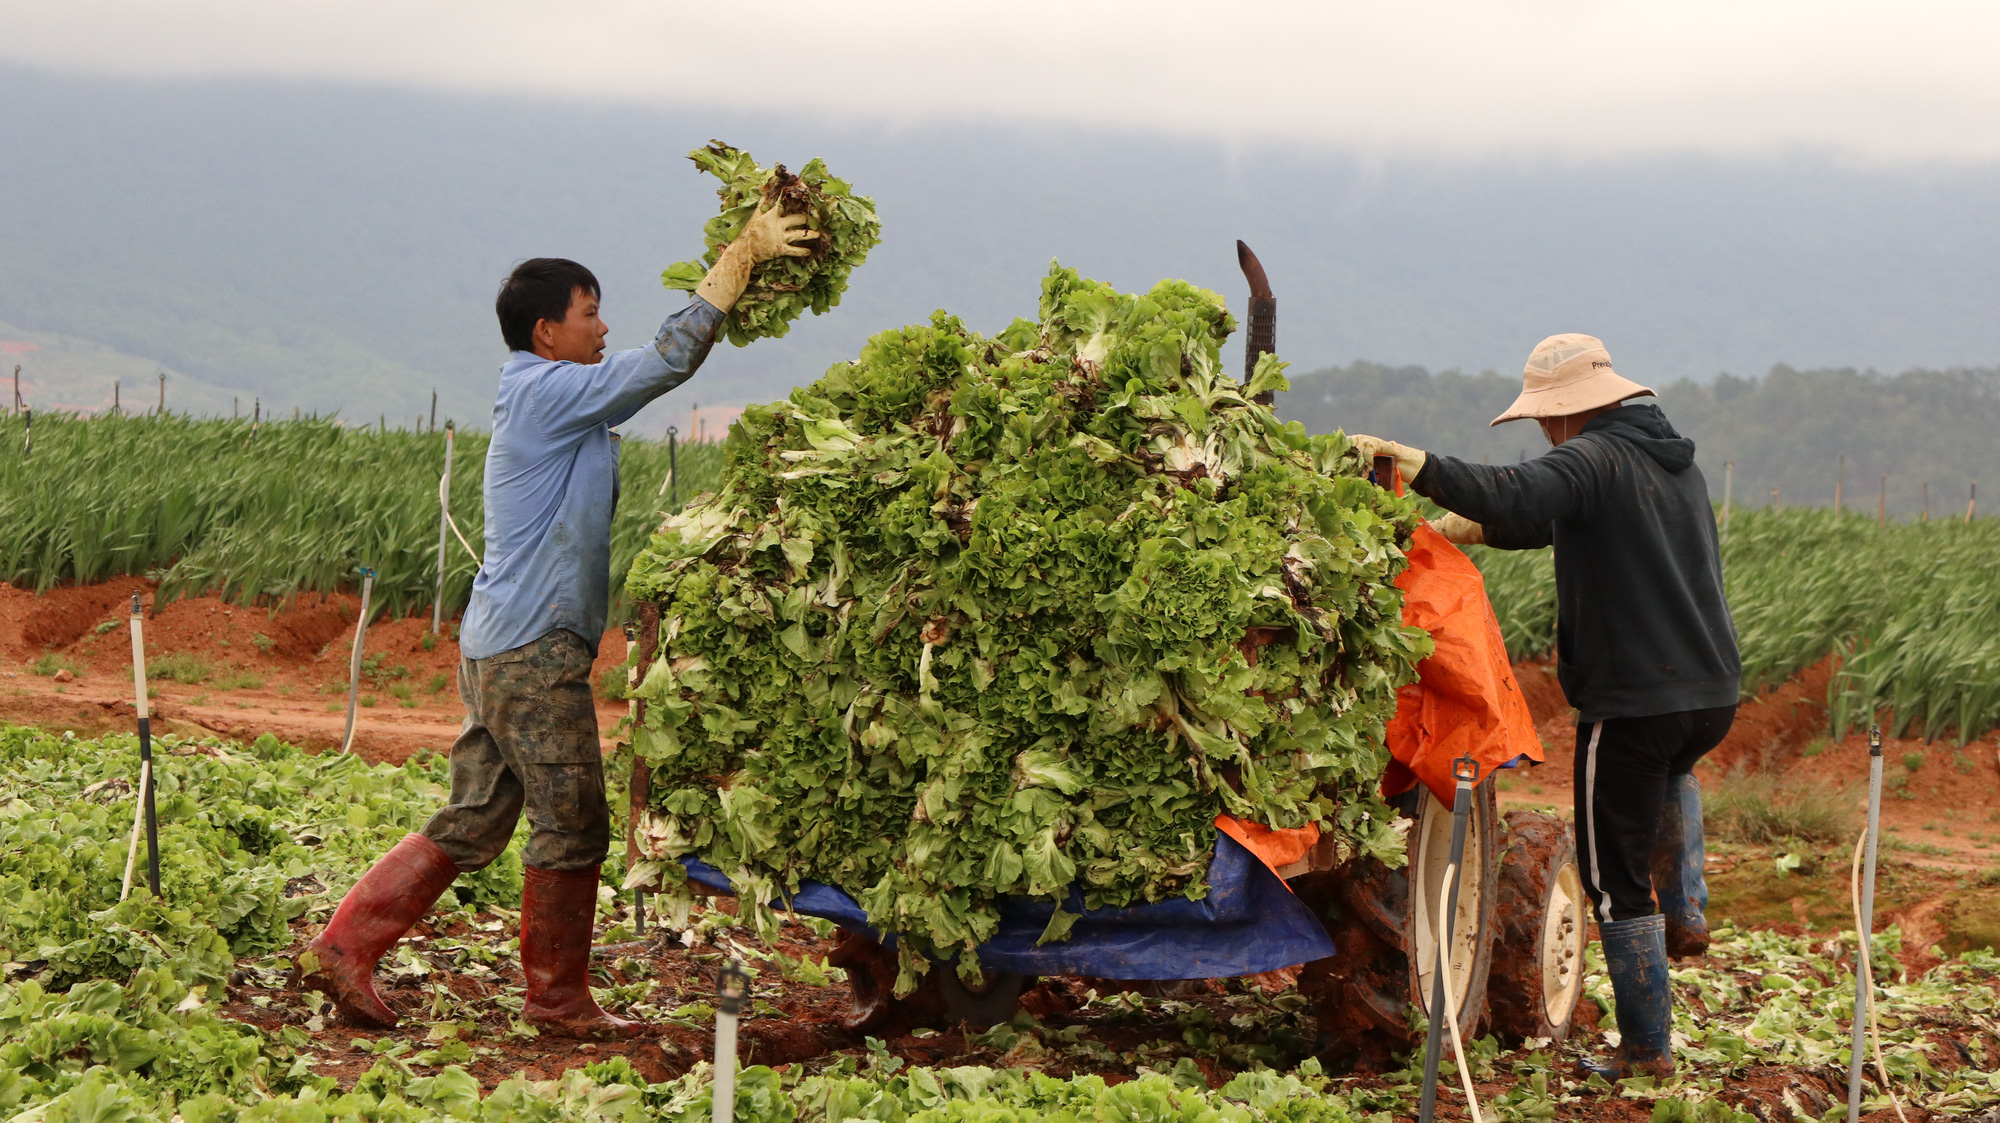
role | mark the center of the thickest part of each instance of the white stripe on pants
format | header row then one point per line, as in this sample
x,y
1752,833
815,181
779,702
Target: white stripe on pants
x,y
1590,820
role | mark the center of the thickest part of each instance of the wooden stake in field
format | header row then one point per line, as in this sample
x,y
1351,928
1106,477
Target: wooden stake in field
x,y
143,812
114,395
1882,503
1971,500
354,664
1839,480
444,520
163,393
1728,481
434,410
1927,501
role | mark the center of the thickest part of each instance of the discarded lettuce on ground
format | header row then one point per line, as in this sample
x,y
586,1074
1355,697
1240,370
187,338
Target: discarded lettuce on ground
x,y
974,617
782,289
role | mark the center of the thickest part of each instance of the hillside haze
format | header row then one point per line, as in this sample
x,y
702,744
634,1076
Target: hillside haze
x,y
1909,443
337,248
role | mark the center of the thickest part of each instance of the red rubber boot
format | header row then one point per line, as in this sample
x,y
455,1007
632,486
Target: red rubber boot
x,y
558,909
395,893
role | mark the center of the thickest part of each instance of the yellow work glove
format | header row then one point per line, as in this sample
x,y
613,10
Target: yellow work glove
x,y
1409,461
768,234
1460,530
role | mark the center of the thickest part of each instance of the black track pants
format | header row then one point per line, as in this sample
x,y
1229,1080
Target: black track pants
x,y
1622,767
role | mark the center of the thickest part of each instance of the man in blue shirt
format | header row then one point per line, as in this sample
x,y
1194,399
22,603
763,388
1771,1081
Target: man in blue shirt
x,y
530,634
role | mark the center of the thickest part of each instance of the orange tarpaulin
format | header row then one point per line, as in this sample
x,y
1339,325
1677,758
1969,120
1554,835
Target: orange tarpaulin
x,y
1465,700
1275,847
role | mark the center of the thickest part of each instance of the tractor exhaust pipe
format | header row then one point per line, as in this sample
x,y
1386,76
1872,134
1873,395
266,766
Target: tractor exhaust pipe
x,y
1263,337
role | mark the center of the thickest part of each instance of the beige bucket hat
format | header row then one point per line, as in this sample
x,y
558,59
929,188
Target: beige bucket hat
x,y
1568,374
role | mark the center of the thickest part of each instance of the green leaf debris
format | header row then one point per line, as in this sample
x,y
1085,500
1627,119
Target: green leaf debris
x,y
783,288
976,617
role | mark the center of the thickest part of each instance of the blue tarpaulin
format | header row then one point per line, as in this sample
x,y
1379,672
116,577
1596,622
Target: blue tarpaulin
x,y
1248,923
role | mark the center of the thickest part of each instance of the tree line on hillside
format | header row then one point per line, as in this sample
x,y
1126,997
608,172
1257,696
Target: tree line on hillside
x,y
1786,433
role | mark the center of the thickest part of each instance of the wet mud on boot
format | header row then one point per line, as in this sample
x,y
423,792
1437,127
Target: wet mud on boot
x,y
1635,956
394,894
558,916
1679,880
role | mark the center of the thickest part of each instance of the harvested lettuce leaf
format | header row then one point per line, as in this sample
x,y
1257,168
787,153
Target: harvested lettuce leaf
x,y
782,289
975,617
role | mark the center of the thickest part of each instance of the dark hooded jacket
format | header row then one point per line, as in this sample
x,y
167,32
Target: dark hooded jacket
x,y
1642,625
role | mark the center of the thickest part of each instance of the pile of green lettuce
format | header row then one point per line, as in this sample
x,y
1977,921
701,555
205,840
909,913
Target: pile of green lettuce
x,y
973,617
783,288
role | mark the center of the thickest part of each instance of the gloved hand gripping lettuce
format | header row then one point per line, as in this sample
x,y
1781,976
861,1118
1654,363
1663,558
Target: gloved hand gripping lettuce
x,y
978,617
781,289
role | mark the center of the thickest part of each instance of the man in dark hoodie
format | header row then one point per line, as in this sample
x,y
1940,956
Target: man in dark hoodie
x,y
1645,646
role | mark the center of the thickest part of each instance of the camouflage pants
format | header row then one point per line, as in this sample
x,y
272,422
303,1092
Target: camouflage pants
x,y
529,740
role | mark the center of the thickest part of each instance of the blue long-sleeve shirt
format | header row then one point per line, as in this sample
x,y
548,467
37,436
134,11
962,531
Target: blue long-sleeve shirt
x,y
552,483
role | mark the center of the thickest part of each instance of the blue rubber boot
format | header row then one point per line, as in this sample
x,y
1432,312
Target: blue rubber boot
x,y
1635,956
1678,858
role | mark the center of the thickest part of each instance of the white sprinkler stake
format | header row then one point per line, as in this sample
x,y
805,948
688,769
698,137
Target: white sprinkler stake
x,y
142,814
732,983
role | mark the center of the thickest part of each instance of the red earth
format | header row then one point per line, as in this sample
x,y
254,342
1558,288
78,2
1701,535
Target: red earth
x,y
282,671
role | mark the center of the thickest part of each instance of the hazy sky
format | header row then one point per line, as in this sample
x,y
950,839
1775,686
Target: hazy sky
x,y
1569,80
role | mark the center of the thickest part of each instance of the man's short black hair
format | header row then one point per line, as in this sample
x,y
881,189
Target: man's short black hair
x,y
539,289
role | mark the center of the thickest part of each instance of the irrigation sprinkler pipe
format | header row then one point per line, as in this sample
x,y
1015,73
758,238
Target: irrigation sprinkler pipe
x,y
1451,1005
1862,888
732,983
354,663
632,803
1465,770
469,551
138,820
444,520
144,811
669,483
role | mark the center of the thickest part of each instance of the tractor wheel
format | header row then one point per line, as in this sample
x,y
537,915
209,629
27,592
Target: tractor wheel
x,y
1543,920
980,1009
940,1000
871,986
1384,927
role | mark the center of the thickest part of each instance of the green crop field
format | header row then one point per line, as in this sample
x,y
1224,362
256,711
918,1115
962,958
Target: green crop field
x,y
1913,609
130,1011
206,508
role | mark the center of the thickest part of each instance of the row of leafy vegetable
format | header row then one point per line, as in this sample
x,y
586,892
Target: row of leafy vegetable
x,y
206,509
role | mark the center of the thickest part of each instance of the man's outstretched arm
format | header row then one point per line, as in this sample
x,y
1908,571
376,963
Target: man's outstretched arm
x,y
572,398
1508,507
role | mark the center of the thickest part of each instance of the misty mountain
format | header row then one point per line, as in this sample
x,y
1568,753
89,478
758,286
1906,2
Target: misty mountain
x,y
337,247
